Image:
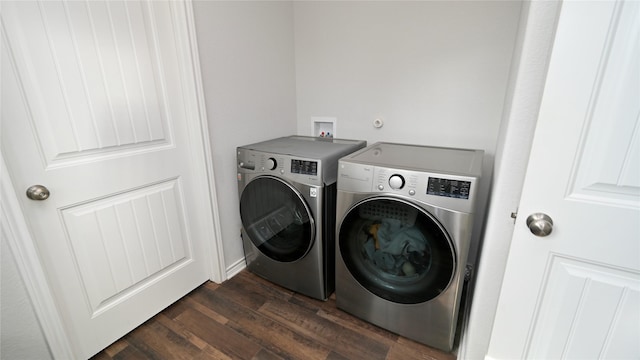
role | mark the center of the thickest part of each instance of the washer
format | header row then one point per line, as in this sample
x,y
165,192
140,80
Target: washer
x,y
405,217
287,189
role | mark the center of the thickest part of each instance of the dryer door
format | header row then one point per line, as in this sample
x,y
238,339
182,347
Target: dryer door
x,y
277,219
396,250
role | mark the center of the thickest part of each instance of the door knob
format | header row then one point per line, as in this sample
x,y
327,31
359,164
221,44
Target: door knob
x,y
38,192
540,224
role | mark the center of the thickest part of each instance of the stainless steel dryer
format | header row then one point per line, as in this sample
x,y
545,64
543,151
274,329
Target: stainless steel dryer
x,y
287,189
405,216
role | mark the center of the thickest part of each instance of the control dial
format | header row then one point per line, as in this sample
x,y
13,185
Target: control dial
x,y
396,182
271,164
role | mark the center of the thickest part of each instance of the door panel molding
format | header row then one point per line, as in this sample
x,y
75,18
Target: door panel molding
x,y
607,161
109,91
583,288
148,239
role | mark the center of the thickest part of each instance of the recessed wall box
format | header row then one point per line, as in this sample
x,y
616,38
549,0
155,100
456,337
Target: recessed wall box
x,y
323,126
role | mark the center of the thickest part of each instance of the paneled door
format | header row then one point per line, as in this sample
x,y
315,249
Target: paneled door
x,y
575,292
99,106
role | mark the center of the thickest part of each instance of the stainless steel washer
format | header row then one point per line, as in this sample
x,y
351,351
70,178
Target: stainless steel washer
x,y
405,216
287,189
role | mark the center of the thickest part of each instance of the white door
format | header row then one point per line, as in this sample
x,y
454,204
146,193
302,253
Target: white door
x,y
99,106
575,293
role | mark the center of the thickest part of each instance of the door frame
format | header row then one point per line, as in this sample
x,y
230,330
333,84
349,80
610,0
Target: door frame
x,y
536,34
18,234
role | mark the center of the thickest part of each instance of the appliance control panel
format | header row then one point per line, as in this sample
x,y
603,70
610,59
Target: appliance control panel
x,y
303,170
449,191
444,190
448,188
305,167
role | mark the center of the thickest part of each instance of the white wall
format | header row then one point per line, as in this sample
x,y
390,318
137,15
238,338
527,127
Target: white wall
x,y
247,61
435,71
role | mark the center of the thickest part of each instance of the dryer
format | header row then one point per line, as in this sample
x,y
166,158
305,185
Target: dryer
x,y
287,190
405,215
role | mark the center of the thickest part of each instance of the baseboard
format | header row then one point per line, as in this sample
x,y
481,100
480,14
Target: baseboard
x,y
235,268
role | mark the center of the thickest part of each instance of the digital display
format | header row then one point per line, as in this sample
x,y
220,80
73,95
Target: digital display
x,y
449,188
304,167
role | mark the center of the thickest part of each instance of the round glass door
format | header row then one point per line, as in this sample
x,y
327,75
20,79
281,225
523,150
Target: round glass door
x,y
396,250
276,219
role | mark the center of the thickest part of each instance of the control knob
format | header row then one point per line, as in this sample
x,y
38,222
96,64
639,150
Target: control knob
x,y
396,182
271,164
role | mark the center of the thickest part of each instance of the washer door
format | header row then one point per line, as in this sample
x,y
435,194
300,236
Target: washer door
x,y
396,250
277,219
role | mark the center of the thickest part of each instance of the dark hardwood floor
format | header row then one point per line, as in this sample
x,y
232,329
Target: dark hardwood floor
x,y
249,318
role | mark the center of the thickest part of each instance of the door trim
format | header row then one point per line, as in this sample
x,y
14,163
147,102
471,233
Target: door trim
x,y
18,234
16,231
217,269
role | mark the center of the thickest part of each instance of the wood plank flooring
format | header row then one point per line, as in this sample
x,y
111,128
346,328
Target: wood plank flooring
x,y
248,317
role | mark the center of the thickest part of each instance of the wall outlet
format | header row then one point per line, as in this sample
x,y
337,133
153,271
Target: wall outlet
x,y
323,126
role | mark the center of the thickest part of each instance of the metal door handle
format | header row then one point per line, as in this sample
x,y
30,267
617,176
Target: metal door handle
x,y
540,224
38,192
